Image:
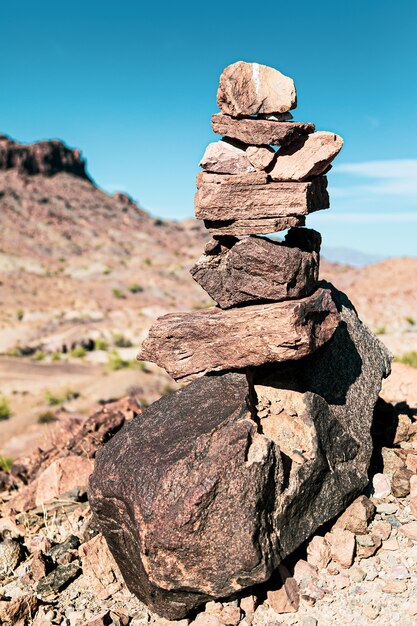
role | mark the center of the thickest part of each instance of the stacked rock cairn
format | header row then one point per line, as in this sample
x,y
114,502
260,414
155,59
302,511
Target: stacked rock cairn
x,y
205,494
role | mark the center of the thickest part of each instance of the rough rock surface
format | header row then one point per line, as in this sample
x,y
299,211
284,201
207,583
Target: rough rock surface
x,y
307,156
251,88
259,132
251,196
224,157
262,226
214,479
350,392
43,157
254,269
191,344
260,156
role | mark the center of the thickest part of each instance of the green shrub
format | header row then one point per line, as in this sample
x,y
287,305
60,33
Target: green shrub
x,y
135,288
54,399
20,314
410,320
147,261
381,330
121,341
107,271
78,352
100,344
408,358
46,418
39,355
116,362
118,293
5,411
56,356
5,463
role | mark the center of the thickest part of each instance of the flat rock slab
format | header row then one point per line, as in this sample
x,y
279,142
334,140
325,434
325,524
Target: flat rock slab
x,y
258,132
251,88
188,345
251,196
306,157
253,269
239,228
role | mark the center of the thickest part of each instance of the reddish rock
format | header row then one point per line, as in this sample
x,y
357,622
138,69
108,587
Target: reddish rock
x,y
248,270
259,132
102,619
38,566
260,156
19,610
403,429
192,344
44,157
303,570
62,476
357,516
318,552
400,482
366,551
342,546
101,575
251,196
251,88
411,462
306,157
381,529
287,598
239,228
225,157
394,586
409,530
413,494
248,604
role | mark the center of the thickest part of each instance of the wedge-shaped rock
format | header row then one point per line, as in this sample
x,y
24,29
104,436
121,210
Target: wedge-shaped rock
x,y
239,228
306,157
252,269
224,157
251,88
260,156
172,488
191,344
259,131
251,196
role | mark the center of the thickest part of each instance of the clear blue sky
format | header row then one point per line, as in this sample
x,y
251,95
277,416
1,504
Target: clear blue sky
x,y
133,84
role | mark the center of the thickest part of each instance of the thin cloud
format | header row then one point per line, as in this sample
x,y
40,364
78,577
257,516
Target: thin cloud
x,y
368,218
395,177
394,168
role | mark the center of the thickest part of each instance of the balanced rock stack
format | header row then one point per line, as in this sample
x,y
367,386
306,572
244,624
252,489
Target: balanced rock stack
x,y
205,494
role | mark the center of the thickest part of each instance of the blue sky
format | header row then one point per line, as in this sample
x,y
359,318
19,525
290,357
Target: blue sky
x,y
134,86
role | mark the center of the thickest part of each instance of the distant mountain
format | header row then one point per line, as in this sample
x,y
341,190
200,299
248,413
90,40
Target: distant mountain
x,y
349,256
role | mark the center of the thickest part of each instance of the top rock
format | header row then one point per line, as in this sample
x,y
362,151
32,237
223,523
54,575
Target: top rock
x,y
250,88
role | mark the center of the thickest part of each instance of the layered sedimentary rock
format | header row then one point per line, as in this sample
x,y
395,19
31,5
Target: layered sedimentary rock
x,y
265,463
306,157
234,271
262,226
251,88
225,157
191,344
251,196
254,131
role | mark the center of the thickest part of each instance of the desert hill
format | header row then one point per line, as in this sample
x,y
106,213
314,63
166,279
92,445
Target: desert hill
x,y
83,275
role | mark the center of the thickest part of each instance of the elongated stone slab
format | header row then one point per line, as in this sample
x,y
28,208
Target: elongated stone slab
x,y
257,132
240,228
189,345
251,196
252,269
306,157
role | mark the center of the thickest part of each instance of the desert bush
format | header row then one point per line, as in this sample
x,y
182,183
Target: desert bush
x,y
121,341
100,344
54,399
410,320
147,261
78,352
116,362
56,356
5,463
381,330
39,355
135,288
107,271
408,358
46,418
20,314
5,411
118,293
